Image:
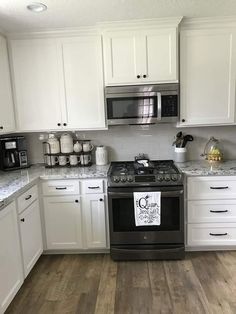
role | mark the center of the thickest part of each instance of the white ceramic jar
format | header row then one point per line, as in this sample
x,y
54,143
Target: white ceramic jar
x,y
54,145
101,156
66,142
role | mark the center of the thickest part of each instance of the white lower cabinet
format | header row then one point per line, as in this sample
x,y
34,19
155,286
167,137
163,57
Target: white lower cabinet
x,y
11,272
31,236
94,212
76,221
211,212
63,222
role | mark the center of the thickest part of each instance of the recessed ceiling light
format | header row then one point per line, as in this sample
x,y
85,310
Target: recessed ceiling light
x,y
37,7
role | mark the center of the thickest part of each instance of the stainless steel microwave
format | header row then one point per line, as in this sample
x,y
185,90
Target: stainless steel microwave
x,y
142,104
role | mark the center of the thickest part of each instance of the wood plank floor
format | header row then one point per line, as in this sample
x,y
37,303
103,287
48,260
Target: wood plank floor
x,y
205,282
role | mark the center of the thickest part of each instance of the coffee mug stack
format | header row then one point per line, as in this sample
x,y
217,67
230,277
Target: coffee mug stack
x,y
67,152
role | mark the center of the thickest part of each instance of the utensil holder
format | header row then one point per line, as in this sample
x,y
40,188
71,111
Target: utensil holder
x,y
180,154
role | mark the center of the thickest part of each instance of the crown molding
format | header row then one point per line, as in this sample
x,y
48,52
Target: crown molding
x,y
208,22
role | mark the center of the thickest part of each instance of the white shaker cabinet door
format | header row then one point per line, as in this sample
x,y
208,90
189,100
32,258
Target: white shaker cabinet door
x,y
161,55
7,119
63,222
82,57
39,86
94,213
120,57
11,270
31,236
208,71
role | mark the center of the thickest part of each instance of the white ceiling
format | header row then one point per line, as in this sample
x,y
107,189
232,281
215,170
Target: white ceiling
x,y
14,17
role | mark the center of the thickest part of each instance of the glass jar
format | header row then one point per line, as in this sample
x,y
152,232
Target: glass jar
x,y
213,151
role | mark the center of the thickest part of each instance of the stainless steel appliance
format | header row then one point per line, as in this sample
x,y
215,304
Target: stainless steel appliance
x,y
142,104
13,153
129,242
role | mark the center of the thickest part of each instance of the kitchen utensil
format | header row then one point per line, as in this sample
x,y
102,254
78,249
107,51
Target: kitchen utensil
x,y
187,138
66,142
101,156
178,140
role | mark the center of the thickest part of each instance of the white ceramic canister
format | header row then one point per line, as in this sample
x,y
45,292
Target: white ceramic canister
x,y
54,145
101,156
66,142
180,154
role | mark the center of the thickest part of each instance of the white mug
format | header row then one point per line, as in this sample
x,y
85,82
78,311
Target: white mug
x,y
51,161
63,160
73,160
85,159
87,147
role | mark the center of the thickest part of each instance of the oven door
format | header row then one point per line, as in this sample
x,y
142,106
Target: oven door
x,y
123,230
133,108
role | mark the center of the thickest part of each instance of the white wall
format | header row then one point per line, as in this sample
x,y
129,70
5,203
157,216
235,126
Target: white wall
x,y
127,141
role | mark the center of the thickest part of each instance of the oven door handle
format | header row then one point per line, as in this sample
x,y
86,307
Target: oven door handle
x,y
131,95
163,193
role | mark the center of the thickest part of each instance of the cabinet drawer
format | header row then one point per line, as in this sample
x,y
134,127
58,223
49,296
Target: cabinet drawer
x,y
61,187
211,188
212,211
27,198
214,234
93,186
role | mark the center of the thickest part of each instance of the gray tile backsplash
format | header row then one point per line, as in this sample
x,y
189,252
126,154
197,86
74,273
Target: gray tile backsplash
x,y
124,142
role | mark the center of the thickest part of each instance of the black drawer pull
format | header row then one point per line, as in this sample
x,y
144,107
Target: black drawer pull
x,y
22,219
219,187
219,211
28,197
218,234
94,187
64,188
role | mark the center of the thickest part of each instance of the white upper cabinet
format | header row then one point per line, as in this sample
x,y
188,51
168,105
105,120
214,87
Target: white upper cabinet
x,y
207,76
38,76
7,119
58,83
140,56
82,58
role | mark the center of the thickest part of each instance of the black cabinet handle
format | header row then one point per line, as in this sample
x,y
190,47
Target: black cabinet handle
x,y
22,219
28,197
144,76
218,234
77,201
183,120
65,124
59,124
1,127
138,76
219,211
64,188
94,187
101,199
219,187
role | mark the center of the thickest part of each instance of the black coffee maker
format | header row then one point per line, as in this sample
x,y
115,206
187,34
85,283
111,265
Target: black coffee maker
x,y
13,153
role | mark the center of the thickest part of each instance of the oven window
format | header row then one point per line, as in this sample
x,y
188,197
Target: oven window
x,y
133,107
123,215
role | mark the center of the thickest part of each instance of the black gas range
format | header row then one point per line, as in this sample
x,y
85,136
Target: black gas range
x,y
129,241
149,173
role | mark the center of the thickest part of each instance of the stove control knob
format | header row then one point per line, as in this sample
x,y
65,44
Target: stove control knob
x,y
123,179
116,179
167,178
160,178
130,179
174,178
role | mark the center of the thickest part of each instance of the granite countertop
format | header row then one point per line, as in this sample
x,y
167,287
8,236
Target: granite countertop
x,y
15,182
204,168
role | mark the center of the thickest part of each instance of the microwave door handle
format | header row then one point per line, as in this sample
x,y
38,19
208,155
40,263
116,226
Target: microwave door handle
x,y
13,158
158,95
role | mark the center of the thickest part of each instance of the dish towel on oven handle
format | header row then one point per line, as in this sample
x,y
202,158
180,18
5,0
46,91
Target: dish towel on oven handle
x,y
147,208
